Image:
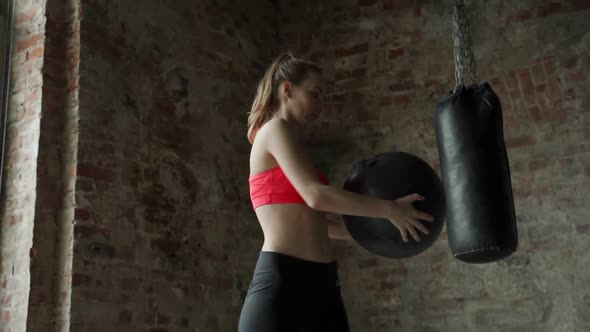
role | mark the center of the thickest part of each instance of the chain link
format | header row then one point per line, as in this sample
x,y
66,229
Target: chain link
x,y
462,46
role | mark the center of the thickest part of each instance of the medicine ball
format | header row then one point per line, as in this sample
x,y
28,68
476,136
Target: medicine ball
x,y
390,176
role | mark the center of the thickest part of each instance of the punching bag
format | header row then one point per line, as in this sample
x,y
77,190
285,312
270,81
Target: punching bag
x,y
481,222
393,175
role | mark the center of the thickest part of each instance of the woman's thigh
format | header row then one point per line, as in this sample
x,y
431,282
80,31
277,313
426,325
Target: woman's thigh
x,y
294,314
267,308
326,314
265,315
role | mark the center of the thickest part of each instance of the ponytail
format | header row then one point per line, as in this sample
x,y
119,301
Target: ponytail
x,y
284,68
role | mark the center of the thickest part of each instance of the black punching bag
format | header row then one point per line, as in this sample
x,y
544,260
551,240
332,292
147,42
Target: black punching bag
x,y
481,222
393,175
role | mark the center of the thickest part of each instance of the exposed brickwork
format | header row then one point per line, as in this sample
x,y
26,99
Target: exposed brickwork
x,y
165,238
49,302
17,210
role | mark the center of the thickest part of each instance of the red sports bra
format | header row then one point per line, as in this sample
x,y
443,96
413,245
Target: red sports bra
x,y
272,186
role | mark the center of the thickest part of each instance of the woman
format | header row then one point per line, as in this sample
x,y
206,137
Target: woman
x,y
295,283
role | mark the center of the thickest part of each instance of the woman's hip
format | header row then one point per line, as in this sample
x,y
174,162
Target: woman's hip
x,y
278,274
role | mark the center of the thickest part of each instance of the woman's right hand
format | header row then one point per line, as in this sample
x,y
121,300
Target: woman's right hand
x,y
406,217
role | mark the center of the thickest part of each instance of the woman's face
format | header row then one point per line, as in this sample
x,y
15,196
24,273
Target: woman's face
x,y
306,98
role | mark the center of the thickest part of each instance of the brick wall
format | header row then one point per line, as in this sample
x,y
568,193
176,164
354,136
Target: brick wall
x,y
388,63
165,239
17,209
49,302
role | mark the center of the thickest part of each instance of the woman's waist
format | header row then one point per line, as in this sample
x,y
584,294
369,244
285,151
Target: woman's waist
x,y
295,230
294,270
291,214
305,250
311,232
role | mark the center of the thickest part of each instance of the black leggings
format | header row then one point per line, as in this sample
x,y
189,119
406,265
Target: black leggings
x,y
290,294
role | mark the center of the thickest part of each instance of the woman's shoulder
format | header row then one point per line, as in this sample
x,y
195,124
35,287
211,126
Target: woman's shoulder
x,y
274,127
276,123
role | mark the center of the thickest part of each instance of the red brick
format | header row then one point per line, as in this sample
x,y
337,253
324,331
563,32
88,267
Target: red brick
x,y
120,40
26,16
535,113
576,77
5,316
96,173
355,73
569,62
538,74
434,70
536,165
35,53
540,90
317,55
566,162
402,99
29,42
166,245
518,166
439,269
395,53
542,192
526,84
582,4
80,280
352,84
369,262
402,86
570,94
405,4
523,14
511,80
130,283
389,284
417,11
89,231
583,229
356,49
436,83
53,27
366,2
388,4
549,66
338,98
84,186
82,214
554,92
548,9
520,141
387,101
6,301
34,96
497,85
163,320
14,219
125,316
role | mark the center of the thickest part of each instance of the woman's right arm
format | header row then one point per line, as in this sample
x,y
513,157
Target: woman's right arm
x,y
299,169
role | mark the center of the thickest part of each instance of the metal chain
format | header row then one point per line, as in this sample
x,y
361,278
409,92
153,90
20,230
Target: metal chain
x,y
462,45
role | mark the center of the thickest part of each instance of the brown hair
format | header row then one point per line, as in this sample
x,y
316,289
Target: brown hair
x,y
284,68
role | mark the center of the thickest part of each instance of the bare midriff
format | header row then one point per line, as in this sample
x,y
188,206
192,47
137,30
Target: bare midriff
x,y
296,230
